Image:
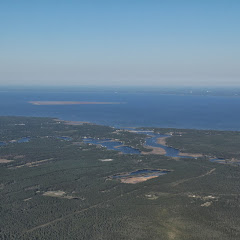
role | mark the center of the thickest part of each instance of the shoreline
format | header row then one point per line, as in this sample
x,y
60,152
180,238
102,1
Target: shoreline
x,y
155,150
162,141
195,155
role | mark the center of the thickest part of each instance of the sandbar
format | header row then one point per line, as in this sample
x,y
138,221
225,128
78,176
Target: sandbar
x,y
162,140
195,155
70,122
106,160
155,150
134,180
5,161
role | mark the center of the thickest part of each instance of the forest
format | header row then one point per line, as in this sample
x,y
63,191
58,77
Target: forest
x,y
53,187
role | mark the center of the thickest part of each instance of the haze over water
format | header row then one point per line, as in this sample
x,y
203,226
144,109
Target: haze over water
x,y
138,109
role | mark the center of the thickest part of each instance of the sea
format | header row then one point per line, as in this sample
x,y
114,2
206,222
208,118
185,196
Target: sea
x,y
137,108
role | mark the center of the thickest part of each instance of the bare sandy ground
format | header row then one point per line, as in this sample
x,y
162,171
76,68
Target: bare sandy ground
x,y
68,102
58,194
19,157
54,193
75,123
33,164
155,150
70,122
134,180
162,140
5,161
106,160
190,154
139,131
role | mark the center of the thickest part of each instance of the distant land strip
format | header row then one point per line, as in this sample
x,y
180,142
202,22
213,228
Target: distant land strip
x,y
69,102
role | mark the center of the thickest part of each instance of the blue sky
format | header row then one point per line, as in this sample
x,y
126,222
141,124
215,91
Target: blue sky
x,y
120,42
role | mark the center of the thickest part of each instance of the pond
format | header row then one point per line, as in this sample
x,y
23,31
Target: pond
x,y
142,173
65,138
23,140
2,143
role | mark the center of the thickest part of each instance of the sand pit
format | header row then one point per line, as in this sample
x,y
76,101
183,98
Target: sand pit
x,y
54,193
141,175
5,161
195,155
106,160
134,180
206,204
60,194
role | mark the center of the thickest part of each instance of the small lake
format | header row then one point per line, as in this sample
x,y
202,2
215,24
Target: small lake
x,y
23,140
27,139
65,138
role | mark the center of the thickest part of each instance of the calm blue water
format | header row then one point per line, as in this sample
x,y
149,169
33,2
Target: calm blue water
x,y
170,152
151,140
65,138
140,109
112,145
23,140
